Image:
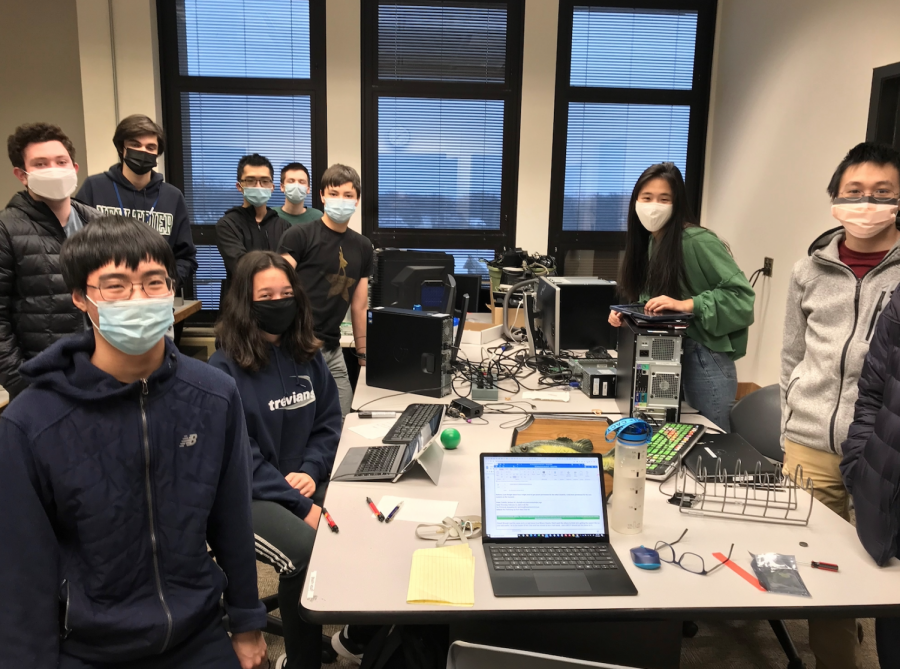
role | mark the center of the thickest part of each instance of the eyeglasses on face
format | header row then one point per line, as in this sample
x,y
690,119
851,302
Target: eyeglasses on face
x,y
253,182
113,289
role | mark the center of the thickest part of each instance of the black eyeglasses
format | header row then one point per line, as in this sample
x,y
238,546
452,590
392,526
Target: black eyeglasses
x,y
688,561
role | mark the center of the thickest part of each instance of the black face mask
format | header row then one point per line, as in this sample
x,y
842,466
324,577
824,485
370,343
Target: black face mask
x,y
275,316
140,162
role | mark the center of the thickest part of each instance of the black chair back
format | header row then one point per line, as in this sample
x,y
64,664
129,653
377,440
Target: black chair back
x,y
757,418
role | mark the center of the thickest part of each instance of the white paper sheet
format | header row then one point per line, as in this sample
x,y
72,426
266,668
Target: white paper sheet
x,y
418,510
374,429
549,395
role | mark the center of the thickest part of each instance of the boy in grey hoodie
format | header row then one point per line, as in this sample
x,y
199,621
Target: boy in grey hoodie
x,y
835,297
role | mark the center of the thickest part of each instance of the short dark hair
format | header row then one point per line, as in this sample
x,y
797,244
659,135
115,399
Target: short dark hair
x,y
865,152
138,125
116,239
239,334
290,167
338,175
255,160
35,133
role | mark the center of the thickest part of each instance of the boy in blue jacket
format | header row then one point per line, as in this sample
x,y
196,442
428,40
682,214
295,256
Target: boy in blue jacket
x,y
131,188
293,413
118,464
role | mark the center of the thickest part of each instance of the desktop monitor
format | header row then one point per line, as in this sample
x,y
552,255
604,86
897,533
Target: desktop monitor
x,y
404,278
572,313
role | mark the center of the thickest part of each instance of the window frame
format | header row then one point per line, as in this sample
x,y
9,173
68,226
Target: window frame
x,y
884,106
509,92
559,241
173,84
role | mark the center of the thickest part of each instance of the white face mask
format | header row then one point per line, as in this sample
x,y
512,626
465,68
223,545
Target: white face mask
x,y
653,215
865,218
53,183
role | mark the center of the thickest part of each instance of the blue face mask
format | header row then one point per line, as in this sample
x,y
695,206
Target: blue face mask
x,y
135,326
257,196
295,193
339,209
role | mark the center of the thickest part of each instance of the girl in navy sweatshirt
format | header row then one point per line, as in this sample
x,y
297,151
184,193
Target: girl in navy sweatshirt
x,y
293,414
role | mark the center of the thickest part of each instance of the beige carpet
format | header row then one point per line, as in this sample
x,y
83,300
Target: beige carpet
x,y
734,644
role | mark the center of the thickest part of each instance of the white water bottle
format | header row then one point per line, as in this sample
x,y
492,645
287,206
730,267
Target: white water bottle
x,y
629,477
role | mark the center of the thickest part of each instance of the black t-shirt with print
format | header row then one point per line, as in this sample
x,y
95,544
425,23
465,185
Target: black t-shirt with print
x,y
330,265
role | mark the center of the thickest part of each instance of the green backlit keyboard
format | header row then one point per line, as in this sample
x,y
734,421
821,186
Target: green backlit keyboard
x,y
667,443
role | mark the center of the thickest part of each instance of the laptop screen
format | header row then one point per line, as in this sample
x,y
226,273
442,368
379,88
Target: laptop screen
x,y
542,497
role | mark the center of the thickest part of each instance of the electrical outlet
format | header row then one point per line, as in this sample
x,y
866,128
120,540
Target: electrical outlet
x,y
767,266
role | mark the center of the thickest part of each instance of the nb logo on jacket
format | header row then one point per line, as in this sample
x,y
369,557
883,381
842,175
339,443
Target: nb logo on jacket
x,y
188,440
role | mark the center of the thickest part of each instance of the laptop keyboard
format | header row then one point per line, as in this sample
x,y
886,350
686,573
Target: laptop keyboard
x,y
575,556
411,421
377,460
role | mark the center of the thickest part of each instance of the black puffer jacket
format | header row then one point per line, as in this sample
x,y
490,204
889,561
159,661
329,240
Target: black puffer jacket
x,y
871,462
35,307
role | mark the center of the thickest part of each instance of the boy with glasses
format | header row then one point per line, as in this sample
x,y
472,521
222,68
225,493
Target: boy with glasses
x,y
834,300
252,226
123,460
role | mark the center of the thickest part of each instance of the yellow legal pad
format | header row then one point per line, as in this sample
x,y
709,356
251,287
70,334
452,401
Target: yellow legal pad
x,y
442,576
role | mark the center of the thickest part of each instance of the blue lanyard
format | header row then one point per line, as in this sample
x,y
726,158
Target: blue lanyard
x,y
122,207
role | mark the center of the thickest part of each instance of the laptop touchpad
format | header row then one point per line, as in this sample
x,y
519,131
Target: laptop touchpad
x,y
562,582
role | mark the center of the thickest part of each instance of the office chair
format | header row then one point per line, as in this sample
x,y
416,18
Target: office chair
x,y
465,655
757,418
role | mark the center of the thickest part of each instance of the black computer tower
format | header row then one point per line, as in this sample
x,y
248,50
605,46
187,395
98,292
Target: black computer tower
x,y
648,372
409,351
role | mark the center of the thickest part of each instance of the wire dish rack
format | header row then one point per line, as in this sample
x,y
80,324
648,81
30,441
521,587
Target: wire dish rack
x,y
762,497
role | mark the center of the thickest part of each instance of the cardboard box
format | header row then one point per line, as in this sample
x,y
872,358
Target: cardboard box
x,y
480,333
516,316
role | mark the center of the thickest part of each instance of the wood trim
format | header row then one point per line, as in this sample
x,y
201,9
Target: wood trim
x,y
745,389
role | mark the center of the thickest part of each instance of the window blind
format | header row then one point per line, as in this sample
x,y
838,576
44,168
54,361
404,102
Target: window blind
x,y
442,41
219,129
631,48
209,277
607,148
244,38
439,163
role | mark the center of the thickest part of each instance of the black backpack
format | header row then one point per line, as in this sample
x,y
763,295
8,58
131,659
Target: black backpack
x,y
408,647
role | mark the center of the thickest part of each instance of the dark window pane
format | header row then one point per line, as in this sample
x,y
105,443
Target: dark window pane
x,y
439,163
466,261
633,48
219,129
607,148
209,277
442,41
244,38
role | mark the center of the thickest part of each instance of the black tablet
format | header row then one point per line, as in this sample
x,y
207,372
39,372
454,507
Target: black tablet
x,y
636,311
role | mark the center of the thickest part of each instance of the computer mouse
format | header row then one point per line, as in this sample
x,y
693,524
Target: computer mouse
x,y
645,558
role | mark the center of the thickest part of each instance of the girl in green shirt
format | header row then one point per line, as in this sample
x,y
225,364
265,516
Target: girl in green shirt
x,y
672,263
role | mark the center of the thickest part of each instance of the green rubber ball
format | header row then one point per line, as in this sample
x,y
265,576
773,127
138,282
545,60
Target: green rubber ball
x,y
450,438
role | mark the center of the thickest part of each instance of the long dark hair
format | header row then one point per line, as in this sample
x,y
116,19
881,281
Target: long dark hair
x,y
239,334
663,273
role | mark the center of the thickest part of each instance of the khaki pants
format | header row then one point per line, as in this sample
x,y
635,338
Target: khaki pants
x,y
835,643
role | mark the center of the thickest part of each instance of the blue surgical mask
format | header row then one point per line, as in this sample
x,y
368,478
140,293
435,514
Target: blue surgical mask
x,y
135,326
339,209
257,196
295,193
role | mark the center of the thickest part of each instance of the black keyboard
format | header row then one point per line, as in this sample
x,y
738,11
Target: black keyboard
x,y
411,422
377,461
575,556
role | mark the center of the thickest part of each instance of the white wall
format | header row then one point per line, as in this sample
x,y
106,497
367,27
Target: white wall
x,y
791,96
40,79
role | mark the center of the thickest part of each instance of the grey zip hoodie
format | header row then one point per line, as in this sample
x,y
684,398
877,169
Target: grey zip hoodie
x,y
829,321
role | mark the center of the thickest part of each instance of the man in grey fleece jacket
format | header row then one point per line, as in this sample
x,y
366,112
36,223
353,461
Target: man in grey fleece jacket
x,y
835,297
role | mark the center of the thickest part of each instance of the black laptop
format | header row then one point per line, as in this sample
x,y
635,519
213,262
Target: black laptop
x,y
545,532
728,457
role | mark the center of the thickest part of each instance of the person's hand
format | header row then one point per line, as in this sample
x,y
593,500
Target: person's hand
x,y
615,319
312,518
250,648
665,303
302,482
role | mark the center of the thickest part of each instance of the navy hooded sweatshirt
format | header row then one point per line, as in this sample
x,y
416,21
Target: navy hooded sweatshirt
x,y
110,493
169,211
294,421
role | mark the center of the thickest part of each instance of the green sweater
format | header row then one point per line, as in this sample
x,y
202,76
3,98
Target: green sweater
x,y
307,216
723,298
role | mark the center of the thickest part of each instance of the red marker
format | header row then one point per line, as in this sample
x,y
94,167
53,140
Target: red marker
x,y
375,509
331,523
